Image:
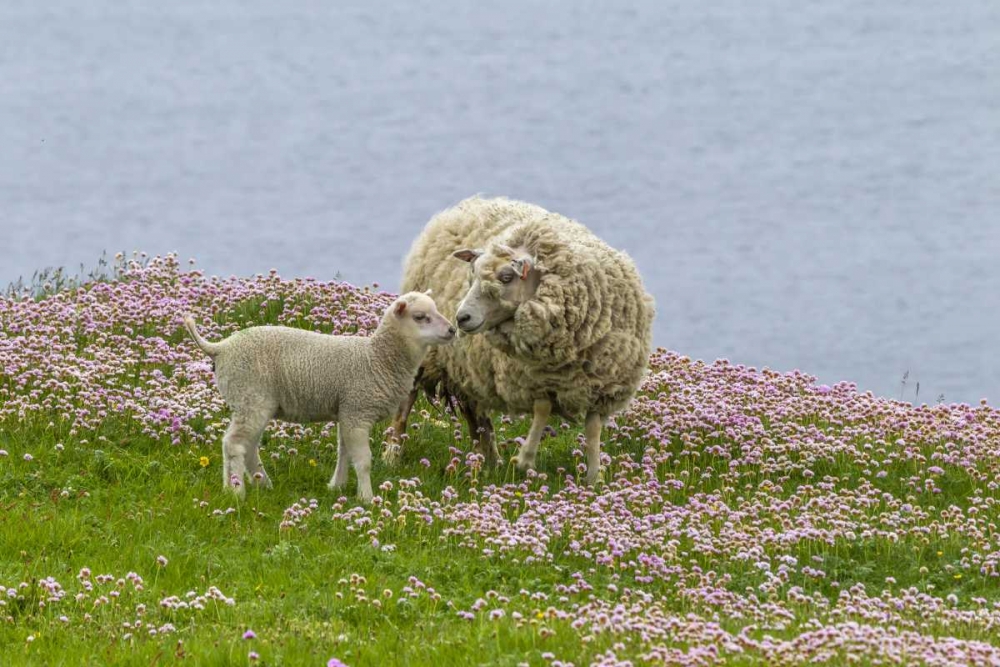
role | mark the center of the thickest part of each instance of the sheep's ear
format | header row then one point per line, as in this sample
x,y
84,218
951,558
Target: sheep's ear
x,y
504,250
467,255
524,266
428,292
400,308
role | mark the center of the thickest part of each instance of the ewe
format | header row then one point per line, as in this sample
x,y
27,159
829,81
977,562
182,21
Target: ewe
x,y
557,321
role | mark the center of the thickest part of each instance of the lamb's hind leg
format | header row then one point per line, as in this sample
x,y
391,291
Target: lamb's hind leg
x,y
240,445
526,456
255,467
343,462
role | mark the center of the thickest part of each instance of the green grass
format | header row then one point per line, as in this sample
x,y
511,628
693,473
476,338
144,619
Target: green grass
x,y
116,505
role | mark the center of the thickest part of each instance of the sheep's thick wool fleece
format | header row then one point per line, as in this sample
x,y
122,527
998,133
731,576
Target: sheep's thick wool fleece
x,y
584,339
307,376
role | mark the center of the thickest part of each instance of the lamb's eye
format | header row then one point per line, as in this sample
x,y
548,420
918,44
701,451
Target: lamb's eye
x,y
505,276
420,318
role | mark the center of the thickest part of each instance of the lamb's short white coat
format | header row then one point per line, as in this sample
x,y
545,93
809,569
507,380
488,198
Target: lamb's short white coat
x,y
270,372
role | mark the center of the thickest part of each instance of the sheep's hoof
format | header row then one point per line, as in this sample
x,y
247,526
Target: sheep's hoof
x,y
390,454
491,455
523,462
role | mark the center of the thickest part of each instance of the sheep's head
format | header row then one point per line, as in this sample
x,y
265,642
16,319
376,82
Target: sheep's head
x,y
417,316
501,279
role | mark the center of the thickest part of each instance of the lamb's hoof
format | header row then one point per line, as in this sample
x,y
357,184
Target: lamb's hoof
x,y
262,482
237,490
365,497
335,483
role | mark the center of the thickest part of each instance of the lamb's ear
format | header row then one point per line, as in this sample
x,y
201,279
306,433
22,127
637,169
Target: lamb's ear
x,y
428,292
467,255
399,308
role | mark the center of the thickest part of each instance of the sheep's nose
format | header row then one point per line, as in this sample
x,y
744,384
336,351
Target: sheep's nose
x,y
451,330
463,318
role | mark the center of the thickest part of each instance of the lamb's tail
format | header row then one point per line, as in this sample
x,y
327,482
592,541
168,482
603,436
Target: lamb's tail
x,y
211,349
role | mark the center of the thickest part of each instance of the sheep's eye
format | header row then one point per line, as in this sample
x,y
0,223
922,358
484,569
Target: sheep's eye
x,y
420,317
505,276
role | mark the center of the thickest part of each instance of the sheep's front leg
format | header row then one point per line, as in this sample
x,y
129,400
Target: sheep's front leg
x,y
592,434
356,443
526,456
394,445
343,461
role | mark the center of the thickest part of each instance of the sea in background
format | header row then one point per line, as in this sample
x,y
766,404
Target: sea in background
x,y
803,184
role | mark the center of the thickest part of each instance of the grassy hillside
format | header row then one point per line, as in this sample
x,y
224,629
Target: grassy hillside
x,y
746,516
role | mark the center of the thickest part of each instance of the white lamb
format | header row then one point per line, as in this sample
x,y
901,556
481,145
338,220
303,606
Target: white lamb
x,y
305,376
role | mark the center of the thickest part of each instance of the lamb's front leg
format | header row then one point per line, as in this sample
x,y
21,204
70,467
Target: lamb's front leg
x,y
592,434
526,456
343,461
358,450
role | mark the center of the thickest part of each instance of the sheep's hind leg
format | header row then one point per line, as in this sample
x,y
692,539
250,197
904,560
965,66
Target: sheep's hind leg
x,y
343,462
526,456
488,440
394,444
592,434
239,445
481,431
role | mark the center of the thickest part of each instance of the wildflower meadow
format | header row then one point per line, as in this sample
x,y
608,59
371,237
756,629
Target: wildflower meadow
x,y
745,516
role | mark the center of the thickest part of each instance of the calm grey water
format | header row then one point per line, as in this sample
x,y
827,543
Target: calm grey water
x,y
808,184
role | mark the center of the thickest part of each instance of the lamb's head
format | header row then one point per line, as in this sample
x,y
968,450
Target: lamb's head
x,y
501,279
417,317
